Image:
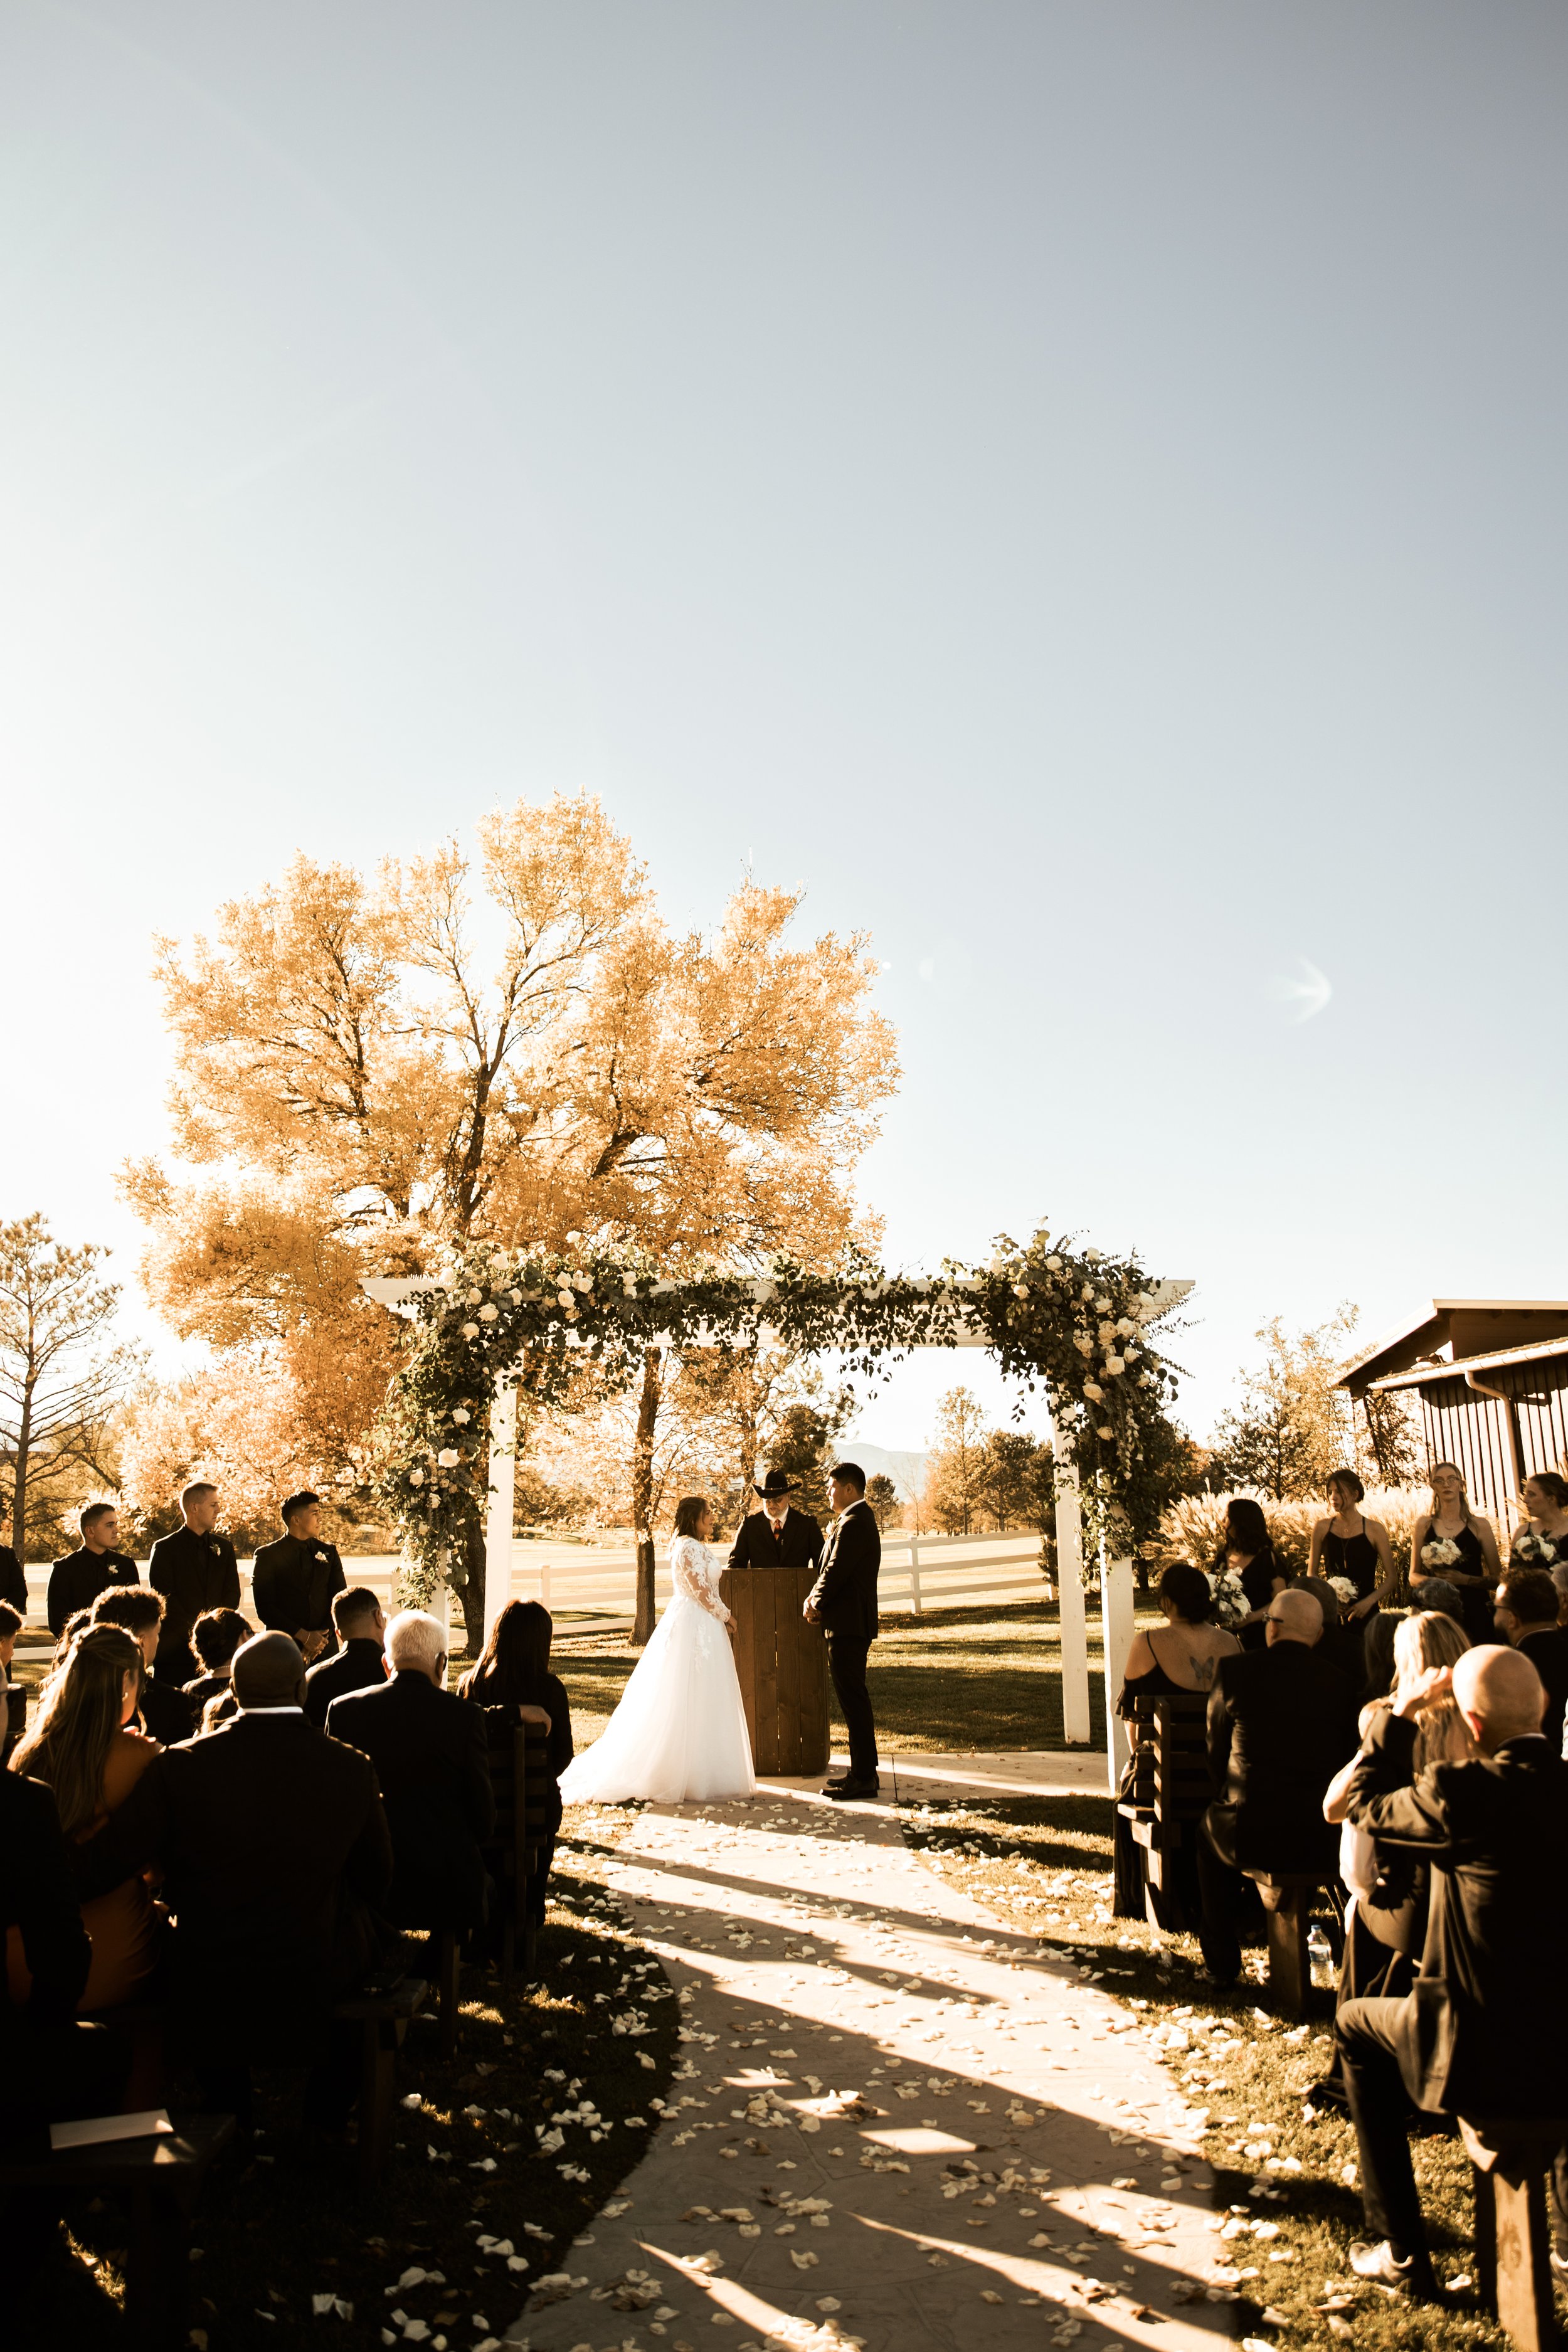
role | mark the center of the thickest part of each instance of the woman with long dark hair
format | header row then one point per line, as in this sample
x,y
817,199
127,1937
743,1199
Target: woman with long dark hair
x,y
1542,1540
84,1747
1450,1541
513,1672
1181,1656
1350,1546
1245,1551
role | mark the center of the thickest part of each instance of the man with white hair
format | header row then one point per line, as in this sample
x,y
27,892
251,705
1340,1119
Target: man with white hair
x,y
1482,2032
429,1750
1281,1723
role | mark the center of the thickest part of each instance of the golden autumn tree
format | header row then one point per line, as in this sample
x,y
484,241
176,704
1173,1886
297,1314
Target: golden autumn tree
x,y
509,1045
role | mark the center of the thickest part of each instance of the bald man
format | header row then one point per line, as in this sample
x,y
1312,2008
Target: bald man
x,y
1282,1722
1483,2032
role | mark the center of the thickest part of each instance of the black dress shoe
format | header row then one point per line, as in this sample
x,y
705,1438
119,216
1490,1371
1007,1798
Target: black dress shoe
x,y
839,1788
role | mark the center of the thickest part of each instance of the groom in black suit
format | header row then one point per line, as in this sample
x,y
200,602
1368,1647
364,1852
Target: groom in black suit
x,y
844,1600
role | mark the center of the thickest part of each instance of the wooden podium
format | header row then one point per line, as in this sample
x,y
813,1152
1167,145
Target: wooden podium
x,y
783,1665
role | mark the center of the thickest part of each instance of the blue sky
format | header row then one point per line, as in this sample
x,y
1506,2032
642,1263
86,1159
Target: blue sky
x,y
1081,489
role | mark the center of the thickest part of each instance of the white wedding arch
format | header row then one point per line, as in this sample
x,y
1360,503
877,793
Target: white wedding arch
x,y
494,1319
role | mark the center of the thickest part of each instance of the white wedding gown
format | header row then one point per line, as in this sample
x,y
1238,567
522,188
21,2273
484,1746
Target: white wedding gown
x,y
680,1731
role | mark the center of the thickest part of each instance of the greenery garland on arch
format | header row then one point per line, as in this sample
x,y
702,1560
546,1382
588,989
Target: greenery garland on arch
x,y
1075,1322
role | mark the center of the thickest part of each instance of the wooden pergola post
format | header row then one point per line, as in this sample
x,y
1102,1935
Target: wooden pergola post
x,y
503,1470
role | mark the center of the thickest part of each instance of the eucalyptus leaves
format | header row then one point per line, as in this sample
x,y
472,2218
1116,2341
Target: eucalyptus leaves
x,y
1076,1323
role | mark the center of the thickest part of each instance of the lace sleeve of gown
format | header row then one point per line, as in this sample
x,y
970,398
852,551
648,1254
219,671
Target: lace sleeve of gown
x,y
692,1573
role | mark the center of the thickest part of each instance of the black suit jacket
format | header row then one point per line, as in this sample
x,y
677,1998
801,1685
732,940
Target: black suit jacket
x,y
359,1665
192,1573
168,1713
798,1543
1282,1721
1483,2032
1548,1654
293,1585
76,1581
13,1579
274,1846
430,1751
39,1896
845,1593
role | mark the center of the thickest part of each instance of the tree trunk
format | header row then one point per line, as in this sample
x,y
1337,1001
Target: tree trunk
x,y
642,1492
466,1575
746,1424
19,1477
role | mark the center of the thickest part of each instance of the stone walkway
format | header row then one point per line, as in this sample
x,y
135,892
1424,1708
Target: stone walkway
x,y
896,2125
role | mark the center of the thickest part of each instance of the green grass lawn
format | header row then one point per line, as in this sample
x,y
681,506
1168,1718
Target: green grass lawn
x,y
949,1678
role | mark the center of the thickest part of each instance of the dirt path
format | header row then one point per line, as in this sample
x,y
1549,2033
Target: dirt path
x,y
897,2126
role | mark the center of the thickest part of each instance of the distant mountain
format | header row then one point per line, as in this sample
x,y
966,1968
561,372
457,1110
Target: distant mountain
x,y
907,1471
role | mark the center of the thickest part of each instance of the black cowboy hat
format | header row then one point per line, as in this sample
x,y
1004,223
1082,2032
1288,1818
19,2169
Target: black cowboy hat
x,y
777,1482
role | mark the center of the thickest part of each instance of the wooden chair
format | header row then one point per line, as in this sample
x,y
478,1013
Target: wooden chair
x,y
1510,2158
157,2182
1288,1912
383,2018
519,1775
1168,1793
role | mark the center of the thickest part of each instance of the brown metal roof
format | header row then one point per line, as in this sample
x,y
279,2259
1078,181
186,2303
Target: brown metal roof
x,y
1461,1326
1534,1351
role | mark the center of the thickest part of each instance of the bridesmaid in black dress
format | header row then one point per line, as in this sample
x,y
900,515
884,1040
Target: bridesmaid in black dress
x,y
1182,1655
1451,1527
1245,1551
1348,1544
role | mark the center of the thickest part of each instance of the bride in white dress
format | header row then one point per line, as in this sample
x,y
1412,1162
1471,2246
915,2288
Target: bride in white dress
x,y
680,1731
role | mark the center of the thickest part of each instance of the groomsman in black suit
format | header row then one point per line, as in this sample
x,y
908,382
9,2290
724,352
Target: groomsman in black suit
x,y
778,1536
195,1570
844,1600
76,1581
360,1664
294,1580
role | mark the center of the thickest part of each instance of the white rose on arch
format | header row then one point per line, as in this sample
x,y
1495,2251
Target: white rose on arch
x,y
488,1314
417,1477
1115,1364
1054,1264
1083,1343
1105,1432
1092,1388
449,1457
470,1330
471,1297
460,1413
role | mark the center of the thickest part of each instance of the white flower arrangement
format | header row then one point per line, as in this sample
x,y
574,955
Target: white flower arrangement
x,y
1537,1550
1440,1552
1342,1586
1230,1603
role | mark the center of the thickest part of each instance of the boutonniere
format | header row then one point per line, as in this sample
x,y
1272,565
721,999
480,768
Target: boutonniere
x,y
320,1556
214,1545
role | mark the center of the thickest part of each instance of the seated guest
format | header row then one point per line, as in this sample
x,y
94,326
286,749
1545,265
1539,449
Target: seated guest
x,y
429,1750
167,1715
1280,1723
195,1571
293,1580
358,1664
76,1581
1342,1643
86,1748
215,1636
514,1673
1182,1656
1481,2031
1385,1919
778,1536
52,2068
13,1576
1526,1619
1245,1551
274,1846
1436,1592
10,1626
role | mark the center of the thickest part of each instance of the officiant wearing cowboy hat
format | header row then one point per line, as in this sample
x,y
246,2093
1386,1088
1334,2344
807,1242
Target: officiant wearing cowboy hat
x,y
778,1536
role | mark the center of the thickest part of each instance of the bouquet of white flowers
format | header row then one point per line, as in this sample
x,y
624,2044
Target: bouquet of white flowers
x,y
1345,1589
1230,1603
1536,1551
1441,1553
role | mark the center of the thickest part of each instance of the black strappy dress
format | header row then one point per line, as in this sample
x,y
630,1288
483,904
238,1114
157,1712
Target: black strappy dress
x,y
1353,1558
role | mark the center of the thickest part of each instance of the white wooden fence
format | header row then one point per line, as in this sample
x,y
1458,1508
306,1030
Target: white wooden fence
x,y
578,1581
